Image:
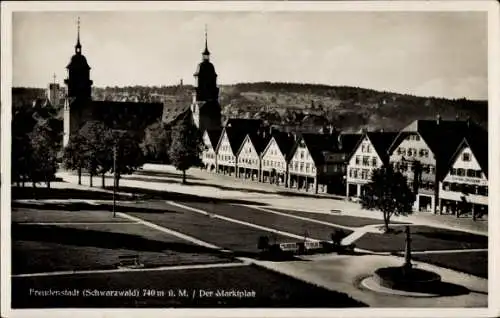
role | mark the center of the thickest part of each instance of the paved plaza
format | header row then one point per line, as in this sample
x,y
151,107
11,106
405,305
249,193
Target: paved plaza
x,y
177,229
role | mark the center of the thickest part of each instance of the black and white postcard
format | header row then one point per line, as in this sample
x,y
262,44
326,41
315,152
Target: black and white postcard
x,y
242,158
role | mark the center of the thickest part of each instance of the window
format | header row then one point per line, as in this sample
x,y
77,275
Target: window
x,y
296,166
446,186
364,174
374,161
366,160
479,174
432,169
466,156
403,151
301,166
355,173
362,148
471,173
367,148
307,167
453,172
301,155
357,160
460,172
409,152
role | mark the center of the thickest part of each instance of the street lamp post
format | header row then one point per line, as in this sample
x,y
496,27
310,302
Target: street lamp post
x,y
114,180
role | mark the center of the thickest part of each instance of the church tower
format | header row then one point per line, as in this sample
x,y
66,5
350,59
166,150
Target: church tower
x,y
205,106
79,90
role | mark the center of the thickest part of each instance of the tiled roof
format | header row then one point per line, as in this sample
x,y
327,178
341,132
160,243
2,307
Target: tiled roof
x,y
317,144
173,110
285,142
214,136
381,141
477,141
126,115
244,124
443,138
348,142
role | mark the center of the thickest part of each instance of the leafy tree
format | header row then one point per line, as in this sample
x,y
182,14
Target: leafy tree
x,y
129,156
156,142
73,155
45,145
187,146
94,147
388,192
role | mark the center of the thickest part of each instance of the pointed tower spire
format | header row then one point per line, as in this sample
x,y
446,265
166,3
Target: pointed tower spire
x,y
78,46
206,53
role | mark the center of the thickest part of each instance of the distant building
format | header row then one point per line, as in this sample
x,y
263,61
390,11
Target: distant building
x,y
209,156
248,156
465,186
275,158
205,107
79,107
318,162
370,153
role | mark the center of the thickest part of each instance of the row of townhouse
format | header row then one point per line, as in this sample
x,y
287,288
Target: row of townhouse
x,y
310,162
448,159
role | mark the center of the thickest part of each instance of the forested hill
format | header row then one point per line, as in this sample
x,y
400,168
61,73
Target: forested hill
x,y
348,108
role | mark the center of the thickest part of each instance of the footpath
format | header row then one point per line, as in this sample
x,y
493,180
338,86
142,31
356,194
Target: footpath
x,y
205,184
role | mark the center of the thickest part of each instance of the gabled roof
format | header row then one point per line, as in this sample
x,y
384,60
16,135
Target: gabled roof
x,y
317,144
259,142
285,142
235,137
214,136
478,143
442,138
348,142
381,141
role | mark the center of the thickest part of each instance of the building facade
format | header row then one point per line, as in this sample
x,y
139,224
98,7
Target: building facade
x,y
370,153
464,188
421,151
275,158
209,155
248,157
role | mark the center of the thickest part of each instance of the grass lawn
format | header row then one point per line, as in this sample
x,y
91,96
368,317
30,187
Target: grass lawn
x,y
474,263
236,237
423,238
275,221
271,290
60,213
345,220
47,248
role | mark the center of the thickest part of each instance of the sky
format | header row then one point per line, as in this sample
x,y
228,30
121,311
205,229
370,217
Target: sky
x,y
442,54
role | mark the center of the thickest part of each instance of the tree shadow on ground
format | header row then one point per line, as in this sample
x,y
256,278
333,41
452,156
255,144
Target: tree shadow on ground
x,y
82,206
133,193
19,193
101,239
148,194
166,174
235,188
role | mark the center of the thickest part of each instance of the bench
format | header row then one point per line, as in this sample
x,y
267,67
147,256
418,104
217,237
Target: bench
x,y
129,261
289,247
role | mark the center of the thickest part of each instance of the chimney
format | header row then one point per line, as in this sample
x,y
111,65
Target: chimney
x,y
438,119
